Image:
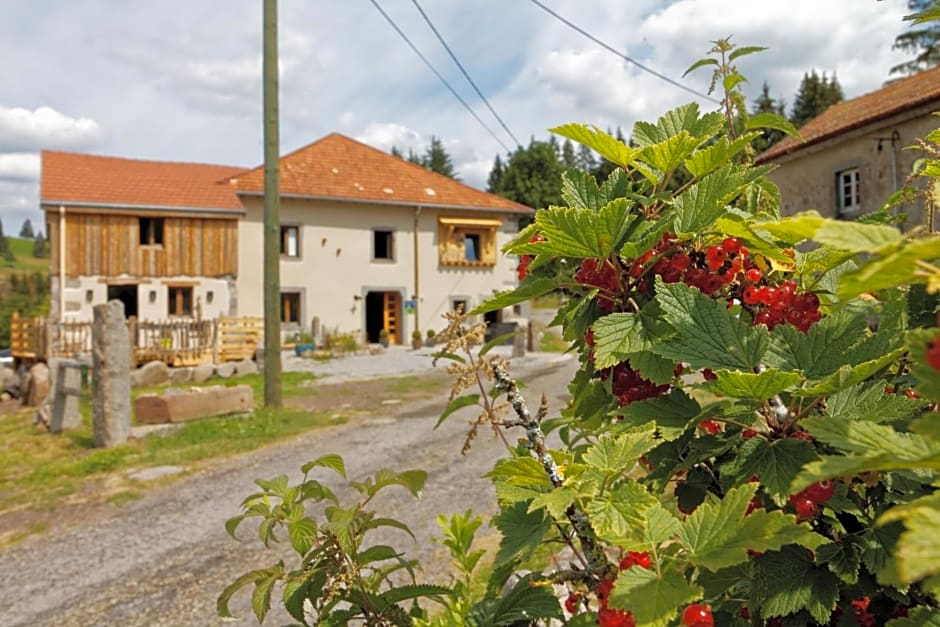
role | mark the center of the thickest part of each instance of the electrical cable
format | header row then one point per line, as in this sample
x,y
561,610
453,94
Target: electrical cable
x,y
438,74
623,56
465,73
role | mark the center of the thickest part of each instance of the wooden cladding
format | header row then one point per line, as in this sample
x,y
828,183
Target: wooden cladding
x,y
110,245
467,242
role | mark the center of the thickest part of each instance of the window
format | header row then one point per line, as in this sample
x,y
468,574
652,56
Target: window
x,y
180,300
383,244
459,304
467,242
290,241
847,189
290,307
151,231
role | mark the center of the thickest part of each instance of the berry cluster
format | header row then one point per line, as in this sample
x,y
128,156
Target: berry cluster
x,y
523,268
610,617
778,305
806,503
601,275
629,386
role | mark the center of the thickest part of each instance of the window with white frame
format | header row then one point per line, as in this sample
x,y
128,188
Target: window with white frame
x,y
847,190
290,241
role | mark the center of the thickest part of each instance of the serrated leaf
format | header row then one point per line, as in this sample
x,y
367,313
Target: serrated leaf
x,y
917,617
842,558
580,191
616,186
855,436
416,591
522,532
616,455
707,335
891,269
376,553
555,502
700,63
918,547
870,402
716,155
582,233
253,576
656,527
671,412
261,597
771,120
620,511
526,602
525,474
456,404
751,385
602,143
669,154
529,289
847,375
332,461
302,534
820,351
673,122
786,582
651,366
653,598
704,202
856,237
777,463
616,336
794,229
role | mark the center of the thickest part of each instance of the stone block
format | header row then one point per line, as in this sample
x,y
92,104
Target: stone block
x,y
202,373
111,358
226,370
38,387
179,376
150,374
181,406
64,412
246,366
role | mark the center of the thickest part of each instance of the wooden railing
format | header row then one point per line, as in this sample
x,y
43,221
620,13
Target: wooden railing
x,y
175,342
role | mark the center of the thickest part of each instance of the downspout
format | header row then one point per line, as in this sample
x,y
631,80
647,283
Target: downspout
x,y
895,140
61,263
417,294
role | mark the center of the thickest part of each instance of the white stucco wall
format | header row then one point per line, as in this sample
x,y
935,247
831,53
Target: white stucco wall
x,y
335,269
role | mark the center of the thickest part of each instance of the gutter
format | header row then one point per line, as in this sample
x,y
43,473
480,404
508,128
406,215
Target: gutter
x,y
397,203
125,208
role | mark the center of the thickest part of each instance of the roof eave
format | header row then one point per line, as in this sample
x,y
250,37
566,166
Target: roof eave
x,y
128,208
521,211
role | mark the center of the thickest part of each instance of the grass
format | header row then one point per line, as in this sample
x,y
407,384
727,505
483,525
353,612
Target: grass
x,y
38,470
552,342
25,262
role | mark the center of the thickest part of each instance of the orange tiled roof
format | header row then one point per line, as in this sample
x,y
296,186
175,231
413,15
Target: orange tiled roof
x,y
72,178
891,99
342,168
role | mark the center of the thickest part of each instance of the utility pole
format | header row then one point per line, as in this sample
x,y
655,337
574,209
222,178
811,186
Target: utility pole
x,y
272,210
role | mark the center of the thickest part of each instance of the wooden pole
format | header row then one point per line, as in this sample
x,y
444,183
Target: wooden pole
x,y
272,278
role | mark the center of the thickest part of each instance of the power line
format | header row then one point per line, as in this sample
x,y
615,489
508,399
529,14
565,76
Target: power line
x,y
438,75
465,73
621,55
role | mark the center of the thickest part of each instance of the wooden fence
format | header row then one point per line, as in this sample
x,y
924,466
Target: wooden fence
x,y
175,342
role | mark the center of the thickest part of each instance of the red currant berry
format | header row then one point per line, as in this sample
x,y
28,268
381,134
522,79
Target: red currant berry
x,y
801,435
749,296
754,504
805,508
731,245
933,354
715,255
747,434
820,492
607,617
603,591
711,426
709,375
711,284
697,615
754,275
680,261
910,393
763,318
573,603
636,558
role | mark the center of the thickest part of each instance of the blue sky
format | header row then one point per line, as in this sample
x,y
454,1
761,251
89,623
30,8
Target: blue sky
x,y
181,80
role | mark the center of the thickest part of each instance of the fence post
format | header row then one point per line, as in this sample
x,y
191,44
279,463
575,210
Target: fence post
x,y
111,407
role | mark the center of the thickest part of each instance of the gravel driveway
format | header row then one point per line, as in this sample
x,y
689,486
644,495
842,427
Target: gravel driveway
x,y
162,560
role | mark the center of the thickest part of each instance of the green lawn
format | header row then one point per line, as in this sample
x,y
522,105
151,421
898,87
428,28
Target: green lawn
x,y
24,262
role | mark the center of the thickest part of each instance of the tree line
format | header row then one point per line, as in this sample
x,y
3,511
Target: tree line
x,y
40,242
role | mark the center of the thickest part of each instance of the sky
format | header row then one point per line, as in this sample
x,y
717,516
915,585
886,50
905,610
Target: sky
x,y
181,80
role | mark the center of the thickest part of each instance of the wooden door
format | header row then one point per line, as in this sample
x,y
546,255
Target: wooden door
x,y
391,312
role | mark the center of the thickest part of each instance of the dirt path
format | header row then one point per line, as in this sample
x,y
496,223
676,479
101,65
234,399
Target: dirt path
x,y
162,560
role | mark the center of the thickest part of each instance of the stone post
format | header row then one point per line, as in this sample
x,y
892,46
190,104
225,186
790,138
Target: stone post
x,y
66,388
111,405
519,340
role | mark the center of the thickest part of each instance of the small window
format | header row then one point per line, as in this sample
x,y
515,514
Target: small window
x,y
459,304
180,301
290,307
290,241
383,244
847,188
467,241
151,231
471,247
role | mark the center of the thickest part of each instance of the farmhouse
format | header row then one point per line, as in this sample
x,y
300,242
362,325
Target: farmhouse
x,y
367,241
853,156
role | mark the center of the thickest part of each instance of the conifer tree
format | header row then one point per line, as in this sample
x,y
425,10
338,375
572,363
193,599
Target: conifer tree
x,y
921,40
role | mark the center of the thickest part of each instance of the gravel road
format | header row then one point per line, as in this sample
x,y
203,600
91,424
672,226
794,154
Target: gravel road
x,y
163,559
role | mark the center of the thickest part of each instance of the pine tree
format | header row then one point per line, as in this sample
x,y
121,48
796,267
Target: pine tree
x,y
397,153
533,176
40,247
26,231
568,157
921,40
437,160
764,103
414,157
5,253
815,95
494,181
585,159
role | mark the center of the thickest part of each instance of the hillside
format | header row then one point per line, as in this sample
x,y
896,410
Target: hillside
x,y
24,286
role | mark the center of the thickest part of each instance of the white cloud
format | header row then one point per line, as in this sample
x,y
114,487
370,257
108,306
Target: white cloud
x,y
384,135
19,167
23,129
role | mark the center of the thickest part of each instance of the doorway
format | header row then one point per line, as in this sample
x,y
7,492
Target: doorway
x,y
127,294
383,311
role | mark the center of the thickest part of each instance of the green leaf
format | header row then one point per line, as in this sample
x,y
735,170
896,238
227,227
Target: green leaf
x,y
377,553
529,289
856,237
890,269
673,122
704,202
743,50
928,379
716,155
651,366
777,463
868,401
842,558
524,604
261,597
848,375
855,436
671,413
794,229
582,233
616,455
669,154
918,616
555,502
720,535
375,523
700,63
771,120
708,336
522,532
409,592
918,548
617,336
302,534
602,143
332,461
751,385
340,522
519,478
455,404
619,513
580,191
253,576
820,351
653,598
787,581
